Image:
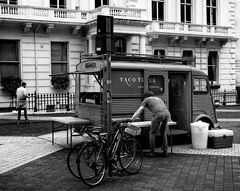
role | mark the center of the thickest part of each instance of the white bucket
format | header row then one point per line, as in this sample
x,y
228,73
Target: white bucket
x,y
199,134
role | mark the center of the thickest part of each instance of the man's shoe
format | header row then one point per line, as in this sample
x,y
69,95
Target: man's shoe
x,y
164,154
150,155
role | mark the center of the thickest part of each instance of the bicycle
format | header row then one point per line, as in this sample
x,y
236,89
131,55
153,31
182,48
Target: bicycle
x,y
121,152
87,134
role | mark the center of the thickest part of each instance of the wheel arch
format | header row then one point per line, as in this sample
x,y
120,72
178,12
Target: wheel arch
x,y
206,119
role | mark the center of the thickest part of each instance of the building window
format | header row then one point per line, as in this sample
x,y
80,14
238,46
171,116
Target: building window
x,y
120,45
213,67
99,3
211,12
9,58
159,52
59,4
187,54
186,11
9,2
59,57
158,10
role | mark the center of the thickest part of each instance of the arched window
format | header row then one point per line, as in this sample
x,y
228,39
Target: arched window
x,y
159,52
213,66
120,45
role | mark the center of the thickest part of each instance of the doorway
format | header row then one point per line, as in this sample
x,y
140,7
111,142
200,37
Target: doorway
x,y
179,106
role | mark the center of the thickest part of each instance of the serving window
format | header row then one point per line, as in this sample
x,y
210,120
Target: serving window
x,y
156,84
200,86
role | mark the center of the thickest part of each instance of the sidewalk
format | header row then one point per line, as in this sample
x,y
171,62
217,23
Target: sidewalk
x,y
30,162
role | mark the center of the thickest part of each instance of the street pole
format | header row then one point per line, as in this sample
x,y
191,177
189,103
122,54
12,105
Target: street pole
x,y
104,46
109,81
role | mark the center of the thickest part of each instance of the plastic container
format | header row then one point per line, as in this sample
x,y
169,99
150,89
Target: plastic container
x,y
199,134
220,138
133,130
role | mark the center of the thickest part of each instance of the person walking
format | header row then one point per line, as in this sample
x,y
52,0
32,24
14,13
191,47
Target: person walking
x,y
161,116
22,101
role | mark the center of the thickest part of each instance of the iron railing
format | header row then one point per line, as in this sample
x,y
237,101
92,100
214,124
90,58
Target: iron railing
x,y
49,102
225,97
66,101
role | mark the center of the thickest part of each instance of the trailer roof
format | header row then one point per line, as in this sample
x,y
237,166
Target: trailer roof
x,y
93,64
136,65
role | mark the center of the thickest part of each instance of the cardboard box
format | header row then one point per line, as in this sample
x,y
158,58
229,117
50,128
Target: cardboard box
x,y
220,138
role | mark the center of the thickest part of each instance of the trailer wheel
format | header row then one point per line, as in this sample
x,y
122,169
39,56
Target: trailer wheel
x,y
206,120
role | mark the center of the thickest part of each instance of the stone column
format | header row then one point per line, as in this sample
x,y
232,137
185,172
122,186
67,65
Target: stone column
x,y
142,44
90,44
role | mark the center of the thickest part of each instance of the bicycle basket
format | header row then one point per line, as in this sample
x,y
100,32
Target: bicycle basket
x,y
133,130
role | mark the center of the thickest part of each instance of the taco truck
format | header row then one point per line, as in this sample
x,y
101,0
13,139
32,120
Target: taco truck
x,y
184,89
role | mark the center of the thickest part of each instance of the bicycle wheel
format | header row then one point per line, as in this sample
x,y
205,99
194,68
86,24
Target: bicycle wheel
x,y
72,158
130,155
91,164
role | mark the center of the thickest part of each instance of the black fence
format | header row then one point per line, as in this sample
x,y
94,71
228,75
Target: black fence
x,y
66,101
49,102
225,97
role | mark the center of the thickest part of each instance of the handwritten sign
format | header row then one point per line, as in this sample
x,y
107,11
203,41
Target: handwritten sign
x,y
90,66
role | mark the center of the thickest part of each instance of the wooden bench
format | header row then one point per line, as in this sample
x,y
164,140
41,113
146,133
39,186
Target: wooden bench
x,y
143,124
69,122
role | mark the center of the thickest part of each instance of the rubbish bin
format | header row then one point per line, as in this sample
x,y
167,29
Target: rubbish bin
x,y
199,134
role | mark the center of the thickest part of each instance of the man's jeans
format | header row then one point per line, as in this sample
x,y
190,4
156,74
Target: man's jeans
x,y
161,117
19,112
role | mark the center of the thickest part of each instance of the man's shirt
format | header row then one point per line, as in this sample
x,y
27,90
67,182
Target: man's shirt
x,y
21,93
154,104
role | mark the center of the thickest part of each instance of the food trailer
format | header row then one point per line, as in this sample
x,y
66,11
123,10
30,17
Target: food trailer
x,y
184,89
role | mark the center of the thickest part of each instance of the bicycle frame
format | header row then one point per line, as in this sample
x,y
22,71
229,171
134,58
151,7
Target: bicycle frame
x,y
110,147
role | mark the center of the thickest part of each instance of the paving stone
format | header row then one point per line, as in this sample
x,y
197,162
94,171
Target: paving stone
x,y
30,162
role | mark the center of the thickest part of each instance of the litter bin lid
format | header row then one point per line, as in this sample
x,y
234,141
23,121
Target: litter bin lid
x,y
199,124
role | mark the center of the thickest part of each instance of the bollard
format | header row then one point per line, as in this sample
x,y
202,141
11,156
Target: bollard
x,y
238,95
35,101
224,97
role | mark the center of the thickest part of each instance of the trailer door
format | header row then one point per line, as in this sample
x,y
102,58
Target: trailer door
x,y
157,82
180,99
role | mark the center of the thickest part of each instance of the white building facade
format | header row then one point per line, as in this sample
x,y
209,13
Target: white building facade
x,y
43,37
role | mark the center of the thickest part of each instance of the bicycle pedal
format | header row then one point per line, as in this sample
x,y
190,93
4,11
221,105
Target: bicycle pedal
x,y
118,173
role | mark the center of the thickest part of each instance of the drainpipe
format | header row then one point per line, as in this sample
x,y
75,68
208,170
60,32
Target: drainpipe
x,y
35,56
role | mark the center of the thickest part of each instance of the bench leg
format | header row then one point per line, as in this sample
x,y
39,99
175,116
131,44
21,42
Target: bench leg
x,y
70,136
67,132
52,132
170,129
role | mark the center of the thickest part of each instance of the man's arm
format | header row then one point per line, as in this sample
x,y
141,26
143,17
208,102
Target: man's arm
x,y
25,94
137,113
